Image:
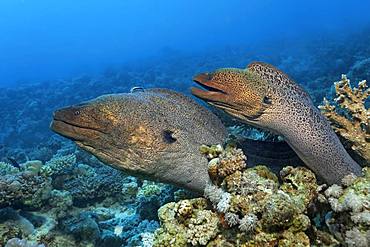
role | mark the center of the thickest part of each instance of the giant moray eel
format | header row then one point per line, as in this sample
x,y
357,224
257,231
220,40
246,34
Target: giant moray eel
x,y
265,97
155,134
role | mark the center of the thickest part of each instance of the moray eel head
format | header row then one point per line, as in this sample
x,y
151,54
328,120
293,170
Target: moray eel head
x,y
154,134
239,92
113,129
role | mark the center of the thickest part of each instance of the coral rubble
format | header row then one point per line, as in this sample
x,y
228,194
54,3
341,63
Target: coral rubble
x,y
349,117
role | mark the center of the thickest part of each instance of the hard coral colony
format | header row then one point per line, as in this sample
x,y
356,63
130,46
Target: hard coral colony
x,y
64,202
349,117
250,207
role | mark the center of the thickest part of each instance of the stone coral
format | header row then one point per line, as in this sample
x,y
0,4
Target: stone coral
x,y
252,208
231,160
349,218
350,119
58,165
24,190
6,168
223,162
196,227
16,242
68,203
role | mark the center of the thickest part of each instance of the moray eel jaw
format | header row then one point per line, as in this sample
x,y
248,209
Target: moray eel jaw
x,y
93,131
65,123
222,92
215,92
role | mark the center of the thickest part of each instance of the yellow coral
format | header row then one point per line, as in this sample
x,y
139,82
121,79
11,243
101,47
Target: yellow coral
x,y
354,129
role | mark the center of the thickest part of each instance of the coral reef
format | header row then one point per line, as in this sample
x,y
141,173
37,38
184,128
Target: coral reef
x,y
248,207
24,190
65,202
58,185
58,165
253,207
6,168
16,242
186,222
349,218
352,120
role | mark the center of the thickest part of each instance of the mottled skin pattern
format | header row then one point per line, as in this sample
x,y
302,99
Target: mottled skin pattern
x,y
155,134
264,96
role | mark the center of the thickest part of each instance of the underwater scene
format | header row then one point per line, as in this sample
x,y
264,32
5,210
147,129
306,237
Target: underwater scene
x,y
184,123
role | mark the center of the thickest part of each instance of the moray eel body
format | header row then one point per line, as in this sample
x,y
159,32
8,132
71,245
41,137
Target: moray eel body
x,y
154,134
265,97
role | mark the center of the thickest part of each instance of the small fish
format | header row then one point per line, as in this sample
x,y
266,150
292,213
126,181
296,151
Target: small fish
x,y
13,162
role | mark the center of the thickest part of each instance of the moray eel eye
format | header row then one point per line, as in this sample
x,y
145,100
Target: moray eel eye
x,y
267,100
76,113
168,137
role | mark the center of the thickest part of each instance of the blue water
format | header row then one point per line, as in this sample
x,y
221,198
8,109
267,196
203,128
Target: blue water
x,y
58,53
48,40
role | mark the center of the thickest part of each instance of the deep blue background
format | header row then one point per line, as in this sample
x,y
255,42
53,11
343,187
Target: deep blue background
x,y
50,39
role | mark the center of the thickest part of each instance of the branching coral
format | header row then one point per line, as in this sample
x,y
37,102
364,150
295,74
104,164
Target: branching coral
x,y
351,121
88,185
6,168
24,190
58,165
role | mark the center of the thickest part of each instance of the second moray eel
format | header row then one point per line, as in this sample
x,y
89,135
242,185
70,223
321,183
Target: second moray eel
x,y
265,97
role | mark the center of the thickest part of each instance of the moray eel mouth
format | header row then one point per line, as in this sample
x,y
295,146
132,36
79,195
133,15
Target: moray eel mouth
x,y
214,93
64,123
221,94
